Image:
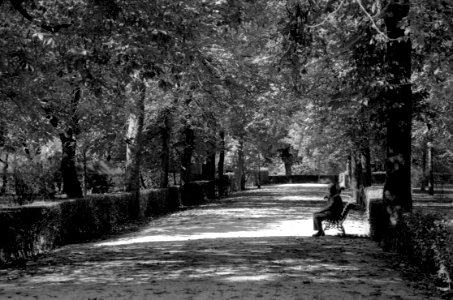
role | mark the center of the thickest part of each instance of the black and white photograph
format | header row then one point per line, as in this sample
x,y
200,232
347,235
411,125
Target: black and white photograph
x,y
226,149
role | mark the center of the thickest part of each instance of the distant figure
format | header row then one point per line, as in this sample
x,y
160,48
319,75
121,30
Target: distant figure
x,y
333,209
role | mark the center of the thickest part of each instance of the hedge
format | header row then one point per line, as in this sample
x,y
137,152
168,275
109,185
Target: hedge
x,y
29,230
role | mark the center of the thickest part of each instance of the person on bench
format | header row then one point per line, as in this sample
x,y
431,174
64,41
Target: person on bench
x,y
332,210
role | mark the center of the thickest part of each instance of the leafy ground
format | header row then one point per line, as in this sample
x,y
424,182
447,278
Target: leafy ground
x,y
254,245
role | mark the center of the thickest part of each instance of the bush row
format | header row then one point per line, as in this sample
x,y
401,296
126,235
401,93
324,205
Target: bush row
x,y
427,243
30,230
424,240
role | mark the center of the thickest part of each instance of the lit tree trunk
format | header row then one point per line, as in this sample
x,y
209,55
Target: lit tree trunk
x,y
366,166
220,165
349,172
136,92
397,187
165,151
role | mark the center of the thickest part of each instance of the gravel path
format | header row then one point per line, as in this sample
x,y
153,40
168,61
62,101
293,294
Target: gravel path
x,y
253,245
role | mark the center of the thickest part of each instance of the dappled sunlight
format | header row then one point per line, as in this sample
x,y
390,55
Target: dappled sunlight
x,y
259,239
283,228
320,186
279,215
240,278
299,198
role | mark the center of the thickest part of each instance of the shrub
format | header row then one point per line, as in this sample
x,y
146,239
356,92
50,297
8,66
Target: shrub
x,y
34,181
426,241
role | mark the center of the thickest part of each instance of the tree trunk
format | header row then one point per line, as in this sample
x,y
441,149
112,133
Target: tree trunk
x,y
366,166
136,92
430,169
258,179
4,174
240,176
356,174
165,151
397,187
424,180
287,159
71,184
220,166
210,171
85,173
186,159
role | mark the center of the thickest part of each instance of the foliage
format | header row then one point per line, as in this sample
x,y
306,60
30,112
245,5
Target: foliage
x,y
425,240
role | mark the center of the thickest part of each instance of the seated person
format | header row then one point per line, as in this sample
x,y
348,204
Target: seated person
x,y
333,209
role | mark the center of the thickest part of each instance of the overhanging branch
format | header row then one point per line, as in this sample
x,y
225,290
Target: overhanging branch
x,y
17,5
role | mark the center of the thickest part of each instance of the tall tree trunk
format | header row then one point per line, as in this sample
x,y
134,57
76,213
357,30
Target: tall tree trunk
x,y
240,176
135,93
258,179
71,184
85,173
424,180
349,172
220,166
365,155
165,151
287,159
356,175
4,174
397,187
430,169
210,171
186,159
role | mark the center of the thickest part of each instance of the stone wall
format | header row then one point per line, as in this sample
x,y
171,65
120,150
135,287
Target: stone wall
x,y
29,230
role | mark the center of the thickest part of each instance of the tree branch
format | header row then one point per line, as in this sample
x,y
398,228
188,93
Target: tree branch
x,y
17,5
328,16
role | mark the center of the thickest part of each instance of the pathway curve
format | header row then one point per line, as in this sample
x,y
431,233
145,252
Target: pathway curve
x,y
253,245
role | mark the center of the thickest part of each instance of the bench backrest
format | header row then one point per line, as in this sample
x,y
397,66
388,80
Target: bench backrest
x,y
346,208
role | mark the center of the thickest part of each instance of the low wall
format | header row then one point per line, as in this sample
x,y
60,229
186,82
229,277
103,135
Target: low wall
x,y
377,215
303,179
29,230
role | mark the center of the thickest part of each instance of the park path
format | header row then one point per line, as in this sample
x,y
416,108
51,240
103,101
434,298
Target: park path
x,y
253,245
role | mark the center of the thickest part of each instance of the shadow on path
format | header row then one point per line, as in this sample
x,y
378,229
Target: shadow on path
x,y
253,245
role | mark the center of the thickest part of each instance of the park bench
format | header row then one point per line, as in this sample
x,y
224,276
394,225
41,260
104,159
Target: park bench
x,y
337,223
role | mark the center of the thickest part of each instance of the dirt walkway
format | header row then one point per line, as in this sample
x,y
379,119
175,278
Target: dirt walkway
x,y
254,245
